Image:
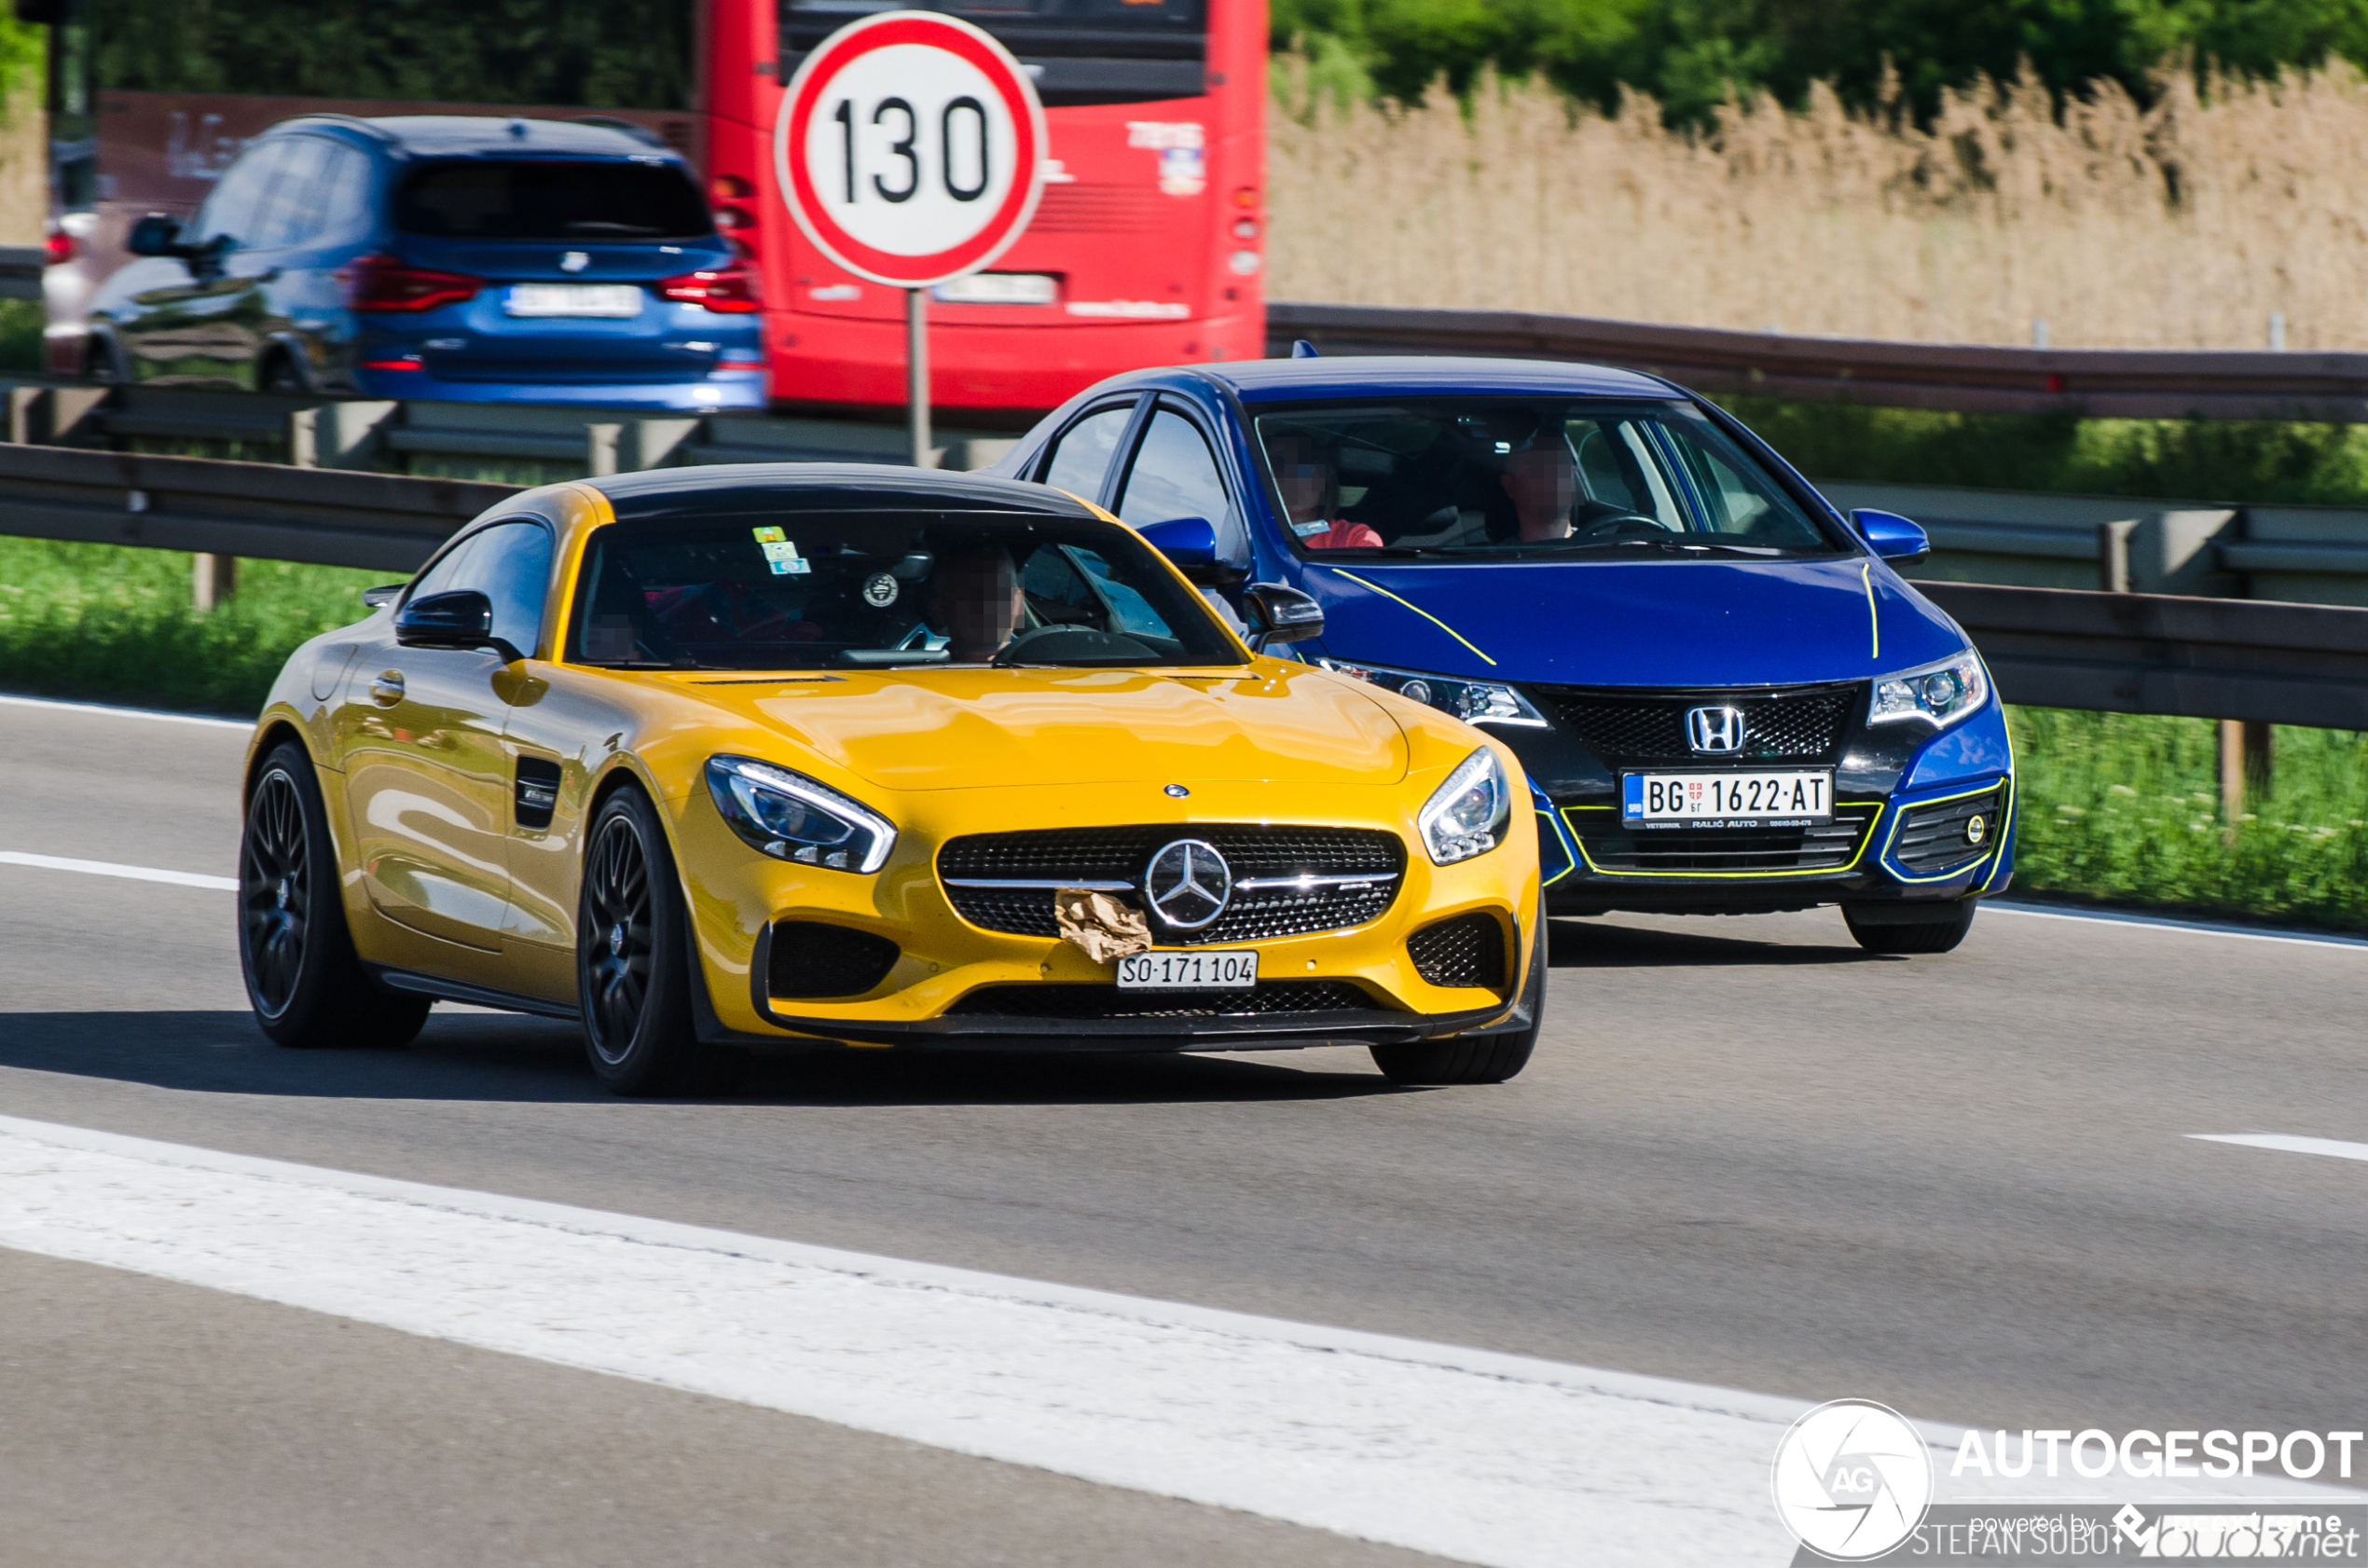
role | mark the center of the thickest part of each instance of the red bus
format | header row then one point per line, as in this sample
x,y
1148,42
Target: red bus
x,y
1147,248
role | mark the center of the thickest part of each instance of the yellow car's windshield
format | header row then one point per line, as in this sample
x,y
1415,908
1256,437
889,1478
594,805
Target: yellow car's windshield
x,y
793,590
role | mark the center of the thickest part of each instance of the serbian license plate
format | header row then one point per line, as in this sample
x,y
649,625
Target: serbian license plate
x,y
1704,798
613,301
1187,972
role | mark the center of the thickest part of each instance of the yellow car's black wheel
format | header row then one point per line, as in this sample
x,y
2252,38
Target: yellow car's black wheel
x,y
303,980
632,957
1475,1058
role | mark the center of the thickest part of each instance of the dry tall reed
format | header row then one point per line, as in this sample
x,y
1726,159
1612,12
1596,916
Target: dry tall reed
x,y
2184,224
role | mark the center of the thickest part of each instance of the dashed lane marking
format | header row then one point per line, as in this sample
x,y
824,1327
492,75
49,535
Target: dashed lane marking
x,y
110,868
2287,1144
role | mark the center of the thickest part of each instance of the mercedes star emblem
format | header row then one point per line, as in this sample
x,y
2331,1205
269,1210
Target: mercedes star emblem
x,y
1188,884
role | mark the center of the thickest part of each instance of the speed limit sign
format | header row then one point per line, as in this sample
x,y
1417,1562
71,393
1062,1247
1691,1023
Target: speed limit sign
x,y
909,148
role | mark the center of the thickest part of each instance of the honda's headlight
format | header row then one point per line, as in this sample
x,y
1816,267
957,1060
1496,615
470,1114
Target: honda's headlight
x,y
1475,702
790,817
1938,693
1466,816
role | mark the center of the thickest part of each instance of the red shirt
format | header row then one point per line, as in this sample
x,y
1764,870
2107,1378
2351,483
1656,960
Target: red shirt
x,y
1342,534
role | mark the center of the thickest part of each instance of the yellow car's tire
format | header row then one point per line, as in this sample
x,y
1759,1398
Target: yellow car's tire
x,y
633,959
303,980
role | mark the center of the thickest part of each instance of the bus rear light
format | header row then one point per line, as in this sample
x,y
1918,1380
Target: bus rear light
x,y
731,220
1244,195
56,247
730,188
385,283
1246,228
1244,263
732,290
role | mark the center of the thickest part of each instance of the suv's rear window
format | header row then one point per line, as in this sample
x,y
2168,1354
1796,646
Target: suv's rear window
x,y
551,199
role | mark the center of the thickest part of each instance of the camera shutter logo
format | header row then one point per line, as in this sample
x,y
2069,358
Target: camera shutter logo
x,y
1188,884
1851,1480
1715,731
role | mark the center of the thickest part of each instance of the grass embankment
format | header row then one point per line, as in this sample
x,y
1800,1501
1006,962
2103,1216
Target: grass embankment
x,y
117,625
2114,807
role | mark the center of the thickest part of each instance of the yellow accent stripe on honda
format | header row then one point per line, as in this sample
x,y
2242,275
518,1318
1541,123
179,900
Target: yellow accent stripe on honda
x,y
1418,609
1874,620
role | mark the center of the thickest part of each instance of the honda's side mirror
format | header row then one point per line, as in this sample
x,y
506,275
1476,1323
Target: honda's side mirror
x,y
1278,613
157,234
1892,536
1188,542
462,618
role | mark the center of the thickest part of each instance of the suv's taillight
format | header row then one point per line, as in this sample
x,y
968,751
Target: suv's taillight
x,y
731,289
57,246
385,283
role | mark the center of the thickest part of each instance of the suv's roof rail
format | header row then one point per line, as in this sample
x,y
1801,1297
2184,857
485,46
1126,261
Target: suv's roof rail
x,y
641,134
349,122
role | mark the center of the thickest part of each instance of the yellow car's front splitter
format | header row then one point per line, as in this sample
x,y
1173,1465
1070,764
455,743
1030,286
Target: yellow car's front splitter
x,y
954,984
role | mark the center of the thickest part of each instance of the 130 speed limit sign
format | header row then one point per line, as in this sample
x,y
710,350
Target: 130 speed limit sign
x,y
909,149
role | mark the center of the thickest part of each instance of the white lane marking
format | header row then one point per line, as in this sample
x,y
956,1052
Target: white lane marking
x,y
2191,927
2287,1144
109,868
1494,1459
241,724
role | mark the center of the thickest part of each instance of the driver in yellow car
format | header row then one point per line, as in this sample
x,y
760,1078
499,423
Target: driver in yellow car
x,y
976,598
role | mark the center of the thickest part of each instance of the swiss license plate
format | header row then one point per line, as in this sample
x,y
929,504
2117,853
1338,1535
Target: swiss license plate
x,y
1780,795
1187,972
614,301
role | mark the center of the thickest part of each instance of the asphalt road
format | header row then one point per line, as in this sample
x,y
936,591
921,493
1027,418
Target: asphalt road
x,y
1746,1154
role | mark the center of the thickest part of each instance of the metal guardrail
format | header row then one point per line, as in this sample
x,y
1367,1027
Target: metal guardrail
x,y
21,272
2124,384
2236,659
2200,658
383,521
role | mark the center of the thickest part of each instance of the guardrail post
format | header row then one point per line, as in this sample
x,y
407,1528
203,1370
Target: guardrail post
x,y
600,450
304,425
652,443
212,579
46,416
2244,765
2112,555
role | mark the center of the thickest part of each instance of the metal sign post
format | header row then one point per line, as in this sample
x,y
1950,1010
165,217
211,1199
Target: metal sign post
x,y
916,371
910,148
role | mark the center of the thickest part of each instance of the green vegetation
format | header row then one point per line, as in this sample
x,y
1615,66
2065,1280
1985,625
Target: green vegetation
x,y
21,322
1691,54
2195,460
2124,809
115,623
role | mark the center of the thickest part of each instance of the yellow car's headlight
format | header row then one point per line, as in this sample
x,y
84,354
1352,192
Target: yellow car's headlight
x,y
790,816
1466,816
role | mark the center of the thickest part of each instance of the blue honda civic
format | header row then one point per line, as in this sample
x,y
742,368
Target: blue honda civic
x,y
1726,698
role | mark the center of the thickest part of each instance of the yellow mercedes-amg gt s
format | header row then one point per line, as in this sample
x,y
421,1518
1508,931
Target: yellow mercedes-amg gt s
x,y
818,755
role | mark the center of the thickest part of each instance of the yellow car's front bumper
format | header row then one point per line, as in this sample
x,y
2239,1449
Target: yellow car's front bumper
x,y
1358,984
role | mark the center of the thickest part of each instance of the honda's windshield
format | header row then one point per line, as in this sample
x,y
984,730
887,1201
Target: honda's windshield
x,y
1488,478
791,590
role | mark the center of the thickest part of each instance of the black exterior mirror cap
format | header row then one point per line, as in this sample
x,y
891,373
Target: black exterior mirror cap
x,y
461,618
1281,613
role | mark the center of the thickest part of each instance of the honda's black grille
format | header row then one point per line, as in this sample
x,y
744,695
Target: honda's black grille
x,y
1819,847
1800,724
1074,856
1468,950
1085,1002
812,959
1932,838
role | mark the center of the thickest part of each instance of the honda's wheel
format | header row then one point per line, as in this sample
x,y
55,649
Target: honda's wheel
x,y
1878,933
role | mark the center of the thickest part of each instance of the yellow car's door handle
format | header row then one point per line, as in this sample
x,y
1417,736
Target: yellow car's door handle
x,y
387,689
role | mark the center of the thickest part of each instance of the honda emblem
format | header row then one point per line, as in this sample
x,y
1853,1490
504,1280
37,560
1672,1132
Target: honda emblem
x,y
1715,730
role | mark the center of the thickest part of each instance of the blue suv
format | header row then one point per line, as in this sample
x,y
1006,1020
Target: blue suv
x,y
1726,697
477,260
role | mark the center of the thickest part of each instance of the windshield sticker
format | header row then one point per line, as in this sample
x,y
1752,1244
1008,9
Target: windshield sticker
x,y
784,559
769,536
879,591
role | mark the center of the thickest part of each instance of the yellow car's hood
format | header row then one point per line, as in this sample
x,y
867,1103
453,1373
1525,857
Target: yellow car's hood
x,y
952,729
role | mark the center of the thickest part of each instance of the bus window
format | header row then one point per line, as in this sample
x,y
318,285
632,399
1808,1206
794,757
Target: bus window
x,y
1079,52
1082,455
